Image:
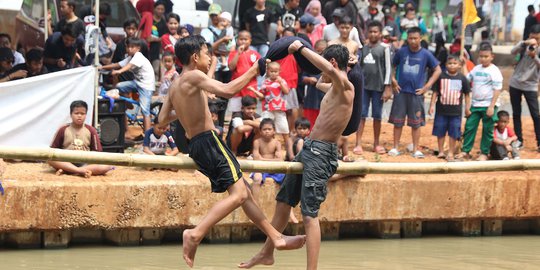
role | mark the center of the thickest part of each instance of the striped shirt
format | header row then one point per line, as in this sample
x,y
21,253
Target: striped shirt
x,y
450,90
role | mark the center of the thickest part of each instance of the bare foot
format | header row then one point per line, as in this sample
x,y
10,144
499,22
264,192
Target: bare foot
x,y
59,172
190,247
87,174
358,150
258,259
286,242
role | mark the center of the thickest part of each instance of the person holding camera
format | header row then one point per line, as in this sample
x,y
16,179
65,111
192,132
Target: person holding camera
x,y
524,82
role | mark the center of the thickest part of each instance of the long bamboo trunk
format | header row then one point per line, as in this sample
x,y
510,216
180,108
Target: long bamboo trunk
x,y
182,162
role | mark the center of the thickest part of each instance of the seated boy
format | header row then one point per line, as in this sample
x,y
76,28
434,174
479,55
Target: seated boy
x,y
244,127
34,64
504,139
156,140
302,127
145,81
78,136
268,148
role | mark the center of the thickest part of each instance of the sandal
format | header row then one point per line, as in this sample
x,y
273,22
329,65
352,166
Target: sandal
x,y
482,157
394,152
348,159
441,155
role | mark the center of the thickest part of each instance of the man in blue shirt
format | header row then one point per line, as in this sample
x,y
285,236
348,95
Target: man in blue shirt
x,y
411,62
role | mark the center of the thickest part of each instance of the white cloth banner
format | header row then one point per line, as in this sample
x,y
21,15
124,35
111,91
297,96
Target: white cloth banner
x,y
32,109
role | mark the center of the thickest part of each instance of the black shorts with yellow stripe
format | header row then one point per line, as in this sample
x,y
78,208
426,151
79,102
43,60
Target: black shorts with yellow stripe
x,y
215,160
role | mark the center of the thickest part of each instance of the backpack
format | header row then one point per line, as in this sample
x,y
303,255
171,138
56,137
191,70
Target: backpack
x,y
222,49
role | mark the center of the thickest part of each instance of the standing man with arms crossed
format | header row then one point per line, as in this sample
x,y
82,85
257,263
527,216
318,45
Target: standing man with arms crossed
x,y
319,154
215,160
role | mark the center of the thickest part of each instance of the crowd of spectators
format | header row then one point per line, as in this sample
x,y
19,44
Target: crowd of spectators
x,y
389,43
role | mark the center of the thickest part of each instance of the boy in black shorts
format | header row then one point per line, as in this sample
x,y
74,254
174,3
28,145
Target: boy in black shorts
x,y
189,101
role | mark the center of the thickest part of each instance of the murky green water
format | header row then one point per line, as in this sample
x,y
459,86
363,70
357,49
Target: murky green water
x,y
507,252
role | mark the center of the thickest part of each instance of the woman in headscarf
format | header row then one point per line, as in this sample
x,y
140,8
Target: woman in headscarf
x,y
314,8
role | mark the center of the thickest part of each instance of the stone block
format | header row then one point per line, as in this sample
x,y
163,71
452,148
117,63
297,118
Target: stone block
x,y
151,236
86,236
123,237
467,227
411,229
24,240
386,229
219,235
492,227
56,239
535,226
241,233
330,230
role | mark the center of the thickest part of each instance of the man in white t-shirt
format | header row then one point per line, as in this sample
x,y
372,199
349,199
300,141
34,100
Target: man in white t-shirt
x,y
145,81
331,31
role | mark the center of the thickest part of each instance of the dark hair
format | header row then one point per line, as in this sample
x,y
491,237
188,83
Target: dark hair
x,y
290,29
453,56
134,41
414,29
130,22
159,2
302,122
503,114
168,53
345,19
530,8
484,34
248,101
267,121
535,29
104,9
34,55
188,46
340,53
244,32
77,104
68,30
71,4
6,35
375,24
485,47
213,108
173,16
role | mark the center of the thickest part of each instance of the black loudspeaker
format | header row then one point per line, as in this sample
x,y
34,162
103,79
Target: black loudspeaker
x,y
112,125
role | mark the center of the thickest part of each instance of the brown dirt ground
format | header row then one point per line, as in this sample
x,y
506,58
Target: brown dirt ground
x,y
428,143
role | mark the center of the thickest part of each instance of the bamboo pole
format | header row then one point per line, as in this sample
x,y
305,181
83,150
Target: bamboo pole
x,y
181,162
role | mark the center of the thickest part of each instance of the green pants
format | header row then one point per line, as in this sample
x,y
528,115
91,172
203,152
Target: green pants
x,y
471,126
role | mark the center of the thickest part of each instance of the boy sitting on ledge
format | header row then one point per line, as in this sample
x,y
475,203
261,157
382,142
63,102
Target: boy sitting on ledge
x,y
78,136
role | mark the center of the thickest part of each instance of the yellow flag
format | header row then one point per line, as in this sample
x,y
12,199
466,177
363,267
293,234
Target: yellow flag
x,y
469,13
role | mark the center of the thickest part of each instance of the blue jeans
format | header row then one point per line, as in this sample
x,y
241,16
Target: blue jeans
x,y
145,95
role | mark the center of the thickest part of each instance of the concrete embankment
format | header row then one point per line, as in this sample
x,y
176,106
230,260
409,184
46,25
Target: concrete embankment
x,y
62,210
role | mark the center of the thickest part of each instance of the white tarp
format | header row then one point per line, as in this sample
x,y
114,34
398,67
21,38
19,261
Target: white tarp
x,y
32,109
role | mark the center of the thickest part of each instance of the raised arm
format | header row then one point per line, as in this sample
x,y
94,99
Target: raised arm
x,y
200,80
321,63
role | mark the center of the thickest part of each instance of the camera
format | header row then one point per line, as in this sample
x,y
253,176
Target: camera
x,y
532,48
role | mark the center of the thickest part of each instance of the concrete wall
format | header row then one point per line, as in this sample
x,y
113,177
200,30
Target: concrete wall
x,y
101,204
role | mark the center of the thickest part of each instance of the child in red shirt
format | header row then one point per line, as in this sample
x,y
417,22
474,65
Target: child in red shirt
x,y
504,139
273,93
240,60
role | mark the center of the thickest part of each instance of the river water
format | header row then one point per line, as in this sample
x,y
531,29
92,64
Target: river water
x,y
506,252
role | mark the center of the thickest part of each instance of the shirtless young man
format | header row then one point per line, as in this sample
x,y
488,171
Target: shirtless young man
x,y
345,27
188,99
319,153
